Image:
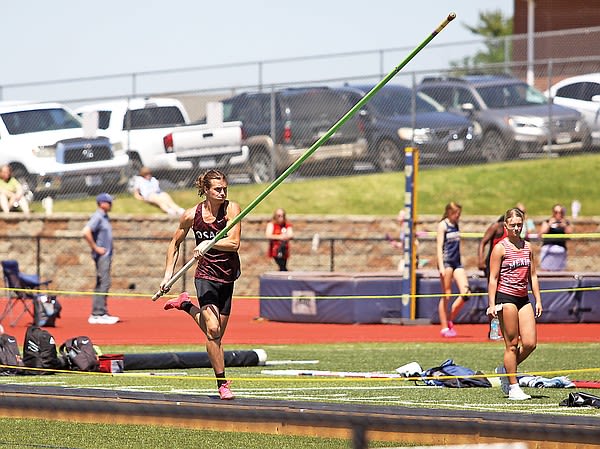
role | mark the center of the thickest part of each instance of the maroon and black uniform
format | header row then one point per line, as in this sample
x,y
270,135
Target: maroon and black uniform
x,y
218,266
217,270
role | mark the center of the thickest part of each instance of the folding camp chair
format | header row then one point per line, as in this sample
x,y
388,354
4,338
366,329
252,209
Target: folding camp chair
x,y
20,292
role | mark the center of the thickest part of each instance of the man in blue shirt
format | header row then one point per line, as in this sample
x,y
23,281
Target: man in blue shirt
x,y
98,234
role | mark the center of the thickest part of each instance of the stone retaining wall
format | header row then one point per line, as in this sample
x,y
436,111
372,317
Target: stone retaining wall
x,y
55,244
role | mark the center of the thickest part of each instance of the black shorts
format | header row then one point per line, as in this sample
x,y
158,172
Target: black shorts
x,y
216,293
520,302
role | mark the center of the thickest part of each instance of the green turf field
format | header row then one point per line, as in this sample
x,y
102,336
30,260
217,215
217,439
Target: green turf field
x,y
571,359
578,361
20,433
481,189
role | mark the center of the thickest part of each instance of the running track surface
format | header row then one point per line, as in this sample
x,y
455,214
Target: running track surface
x,y
144,322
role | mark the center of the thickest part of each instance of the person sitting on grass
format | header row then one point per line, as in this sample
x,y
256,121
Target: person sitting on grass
x,y
12,194
146,188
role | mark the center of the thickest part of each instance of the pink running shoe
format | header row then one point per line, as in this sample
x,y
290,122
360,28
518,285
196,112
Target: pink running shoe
x,y
225,392
448,333
176,303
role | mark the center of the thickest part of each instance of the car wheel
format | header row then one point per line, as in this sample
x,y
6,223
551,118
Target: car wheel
x,y
587,143
261,169
389,156
494,148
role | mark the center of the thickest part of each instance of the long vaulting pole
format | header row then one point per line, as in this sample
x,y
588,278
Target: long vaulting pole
x,y
293,167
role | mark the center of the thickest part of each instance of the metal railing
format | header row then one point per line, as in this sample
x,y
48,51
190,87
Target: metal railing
x,y
67,261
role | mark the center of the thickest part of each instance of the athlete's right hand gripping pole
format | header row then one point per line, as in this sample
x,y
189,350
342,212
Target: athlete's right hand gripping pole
x,y
175,277
293,167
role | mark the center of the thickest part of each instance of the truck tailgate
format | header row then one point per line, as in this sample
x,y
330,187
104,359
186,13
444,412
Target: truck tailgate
x,y
205,140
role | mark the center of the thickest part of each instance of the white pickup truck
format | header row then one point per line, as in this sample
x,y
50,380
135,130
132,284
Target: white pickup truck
x,y
157,134
47,149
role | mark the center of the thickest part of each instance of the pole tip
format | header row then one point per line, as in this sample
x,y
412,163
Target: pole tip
x,y
451,16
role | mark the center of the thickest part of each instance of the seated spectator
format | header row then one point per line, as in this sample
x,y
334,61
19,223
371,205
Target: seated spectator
x,y
12,195
146,188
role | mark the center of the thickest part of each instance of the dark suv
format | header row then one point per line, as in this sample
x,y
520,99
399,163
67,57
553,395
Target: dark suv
x,y
397,117
515,118
280,126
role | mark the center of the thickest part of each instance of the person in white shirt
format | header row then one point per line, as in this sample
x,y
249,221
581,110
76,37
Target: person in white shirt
x,y
146,188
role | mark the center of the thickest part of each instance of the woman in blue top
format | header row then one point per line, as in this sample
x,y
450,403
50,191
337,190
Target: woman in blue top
x,y
450,267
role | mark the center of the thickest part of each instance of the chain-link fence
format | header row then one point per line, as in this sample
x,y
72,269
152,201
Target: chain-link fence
x,y
461,114
72,270
67,261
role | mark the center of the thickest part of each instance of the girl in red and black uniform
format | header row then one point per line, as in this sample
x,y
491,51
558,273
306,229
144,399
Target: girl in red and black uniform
x,y
279,232
218,267
512,270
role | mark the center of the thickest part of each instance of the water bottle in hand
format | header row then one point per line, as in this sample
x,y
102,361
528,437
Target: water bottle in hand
x,y
495,329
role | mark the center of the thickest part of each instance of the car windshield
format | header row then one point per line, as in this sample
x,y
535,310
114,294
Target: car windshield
x,y
510,95
249,109
22,122
394,102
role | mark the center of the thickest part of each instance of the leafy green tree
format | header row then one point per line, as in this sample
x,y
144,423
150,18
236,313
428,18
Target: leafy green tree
x,y
492,25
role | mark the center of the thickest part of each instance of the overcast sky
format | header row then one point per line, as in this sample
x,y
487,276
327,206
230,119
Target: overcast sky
x,y
73,38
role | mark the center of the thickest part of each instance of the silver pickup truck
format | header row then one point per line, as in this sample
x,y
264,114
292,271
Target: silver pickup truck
x,y
157,133
48,150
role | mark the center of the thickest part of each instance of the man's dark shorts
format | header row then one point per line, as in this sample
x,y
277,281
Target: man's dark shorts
x,y
216,293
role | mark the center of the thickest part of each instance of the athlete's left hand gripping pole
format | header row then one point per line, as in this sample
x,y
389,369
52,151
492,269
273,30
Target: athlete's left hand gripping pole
x,y
292,168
